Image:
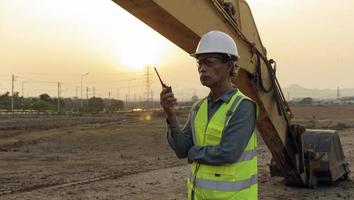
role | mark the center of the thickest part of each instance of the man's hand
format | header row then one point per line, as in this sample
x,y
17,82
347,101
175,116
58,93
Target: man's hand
x,y
167,101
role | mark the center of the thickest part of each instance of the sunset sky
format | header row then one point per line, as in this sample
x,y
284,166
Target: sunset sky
x,y
43,42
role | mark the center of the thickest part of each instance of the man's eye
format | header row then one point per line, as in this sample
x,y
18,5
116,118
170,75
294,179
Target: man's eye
x,y
202,62
209,62
213,59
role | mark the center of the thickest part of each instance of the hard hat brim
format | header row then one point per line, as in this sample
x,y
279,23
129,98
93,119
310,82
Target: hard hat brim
x,y
233,57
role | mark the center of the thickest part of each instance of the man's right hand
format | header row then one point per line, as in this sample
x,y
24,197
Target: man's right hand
x,y
167,101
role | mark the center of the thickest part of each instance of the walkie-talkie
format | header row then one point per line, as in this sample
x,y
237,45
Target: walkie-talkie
x,y
169,88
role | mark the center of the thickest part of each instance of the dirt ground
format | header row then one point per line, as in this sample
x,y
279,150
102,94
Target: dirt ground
x,y
126,156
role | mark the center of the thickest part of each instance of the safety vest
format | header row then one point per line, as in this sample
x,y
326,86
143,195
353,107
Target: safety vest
x,y
229,181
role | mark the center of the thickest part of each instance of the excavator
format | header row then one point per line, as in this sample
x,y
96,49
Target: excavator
x,y
302,156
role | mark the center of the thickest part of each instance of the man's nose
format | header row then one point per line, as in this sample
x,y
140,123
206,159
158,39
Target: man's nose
x,y
202,68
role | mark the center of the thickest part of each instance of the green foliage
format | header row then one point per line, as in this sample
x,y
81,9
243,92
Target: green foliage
x,y
45,97
5,101
41,105
46,103
306,100
95,105
116,105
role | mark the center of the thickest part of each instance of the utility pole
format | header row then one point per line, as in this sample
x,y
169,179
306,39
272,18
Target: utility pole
x,y
59,84
12,93
82,76
93,90
109,98
128,90
87,89
148,83
23,95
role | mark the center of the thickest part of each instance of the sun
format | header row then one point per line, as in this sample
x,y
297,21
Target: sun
x,y
140,46
139,52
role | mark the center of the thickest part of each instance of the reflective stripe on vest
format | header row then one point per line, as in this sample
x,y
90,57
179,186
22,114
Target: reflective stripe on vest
x,y
247,155
226,186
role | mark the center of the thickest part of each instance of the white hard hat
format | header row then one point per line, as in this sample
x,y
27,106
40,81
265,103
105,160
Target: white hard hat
x,y
217,42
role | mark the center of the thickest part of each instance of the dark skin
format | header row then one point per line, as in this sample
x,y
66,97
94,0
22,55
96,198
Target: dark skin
x,y
213,73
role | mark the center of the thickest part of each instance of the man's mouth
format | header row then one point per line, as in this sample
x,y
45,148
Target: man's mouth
x,y
204,77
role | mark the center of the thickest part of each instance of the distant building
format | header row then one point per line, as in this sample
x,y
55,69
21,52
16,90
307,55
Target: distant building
x,y
306,101
348,100
338,101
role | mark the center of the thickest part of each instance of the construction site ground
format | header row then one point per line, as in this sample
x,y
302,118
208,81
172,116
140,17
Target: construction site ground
x,y
126,156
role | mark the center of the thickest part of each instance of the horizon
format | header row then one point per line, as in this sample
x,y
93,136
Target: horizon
x,y
316,93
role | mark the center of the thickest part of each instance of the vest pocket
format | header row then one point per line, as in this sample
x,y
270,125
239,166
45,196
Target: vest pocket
x,y
213,135
216,173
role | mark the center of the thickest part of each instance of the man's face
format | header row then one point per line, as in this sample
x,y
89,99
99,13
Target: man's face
x,y
212,71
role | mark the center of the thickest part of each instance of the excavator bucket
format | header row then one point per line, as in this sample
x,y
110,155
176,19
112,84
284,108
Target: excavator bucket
x,y
323,157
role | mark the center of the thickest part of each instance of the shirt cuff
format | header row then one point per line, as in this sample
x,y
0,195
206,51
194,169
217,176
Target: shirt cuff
x,y
193,153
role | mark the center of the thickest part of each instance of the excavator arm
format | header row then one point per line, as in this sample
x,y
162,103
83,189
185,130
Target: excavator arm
x,y
184,21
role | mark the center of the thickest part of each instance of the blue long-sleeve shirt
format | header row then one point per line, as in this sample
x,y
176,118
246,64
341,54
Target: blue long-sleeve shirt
x,y
236,135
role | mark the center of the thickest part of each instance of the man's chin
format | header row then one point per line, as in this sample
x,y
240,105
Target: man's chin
x,y
205,83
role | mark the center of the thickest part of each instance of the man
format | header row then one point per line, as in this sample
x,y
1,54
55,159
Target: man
x,y
218,138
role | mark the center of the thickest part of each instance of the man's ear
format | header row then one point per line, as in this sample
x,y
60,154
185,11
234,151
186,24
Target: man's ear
x,y
231,67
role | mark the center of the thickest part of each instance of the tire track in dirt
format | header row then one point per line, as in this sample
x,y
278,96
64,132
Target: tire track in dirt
x,y
130,169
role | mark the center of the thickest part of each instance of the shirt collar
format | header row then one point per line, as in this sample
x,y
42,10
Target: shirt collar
x,y
226,97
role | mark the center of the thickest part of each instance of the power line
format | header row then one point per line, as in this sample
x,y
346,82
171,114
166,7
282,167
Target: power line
x,y
115,81
68,74
34,80
28,79
22,80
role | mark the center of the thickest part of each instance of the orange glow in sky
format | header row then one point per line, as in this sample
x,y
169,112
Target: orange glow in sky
x,y
138,47
311,40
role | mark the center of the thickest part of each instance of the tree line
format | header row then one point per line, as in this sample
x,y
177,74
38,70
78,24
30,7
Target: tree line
x,y
44,102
